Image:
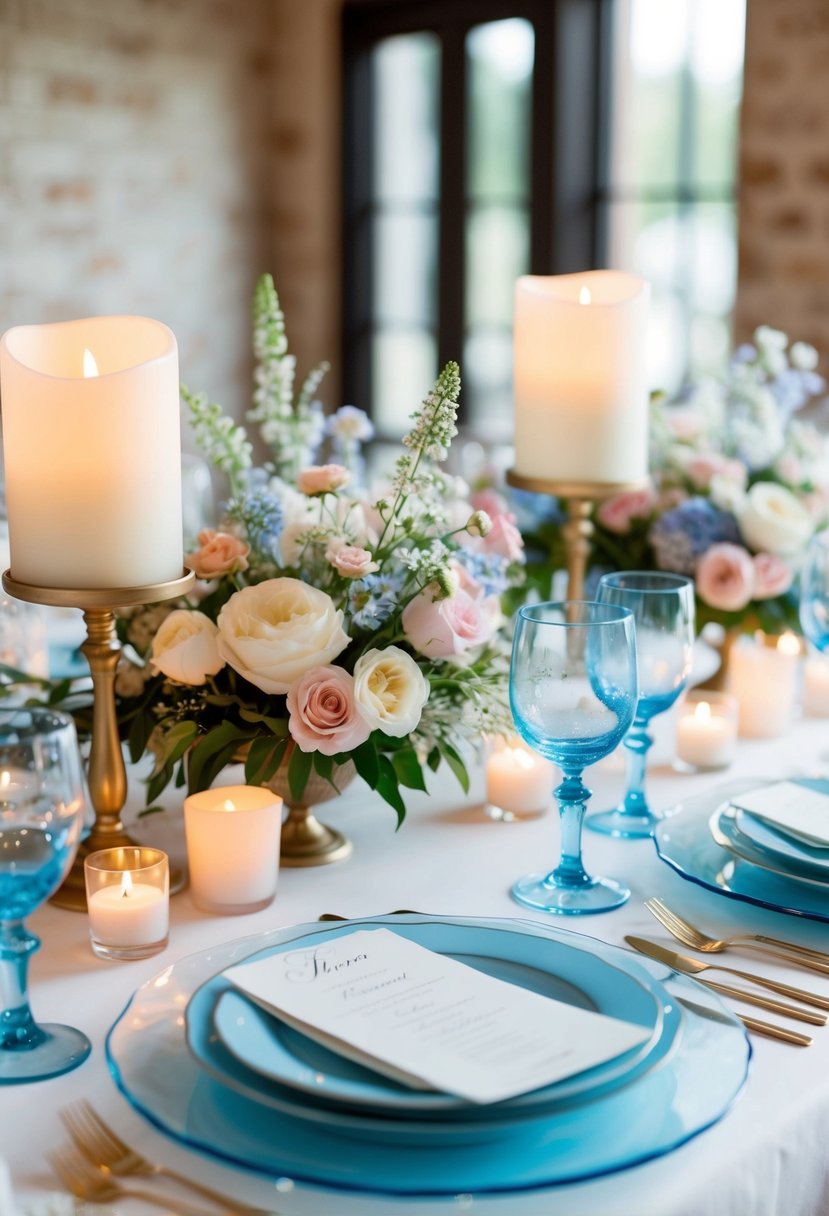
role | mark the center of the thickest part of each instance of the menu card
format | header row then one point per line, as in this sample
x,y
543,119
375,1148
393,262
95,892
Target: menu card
x,y
794,809
427,1020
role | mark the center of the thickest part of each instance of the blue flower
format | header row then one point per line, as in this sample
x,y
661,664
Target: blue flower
x,y
261,516
682,535
374,599
489,570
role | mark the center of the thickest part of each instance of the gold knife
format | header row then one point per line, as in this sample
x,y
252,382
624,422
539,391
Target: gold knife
x,y
692,966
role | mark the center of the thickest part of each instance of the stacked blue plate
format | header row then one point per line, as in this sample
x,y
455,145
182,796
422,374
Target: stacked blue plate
x,y
713,842
251,1092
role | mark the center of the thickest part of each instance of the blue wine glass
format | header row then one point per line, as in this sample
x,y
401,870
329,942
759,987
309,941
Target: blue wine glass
x,y
41,815
663,608
814,592
573,695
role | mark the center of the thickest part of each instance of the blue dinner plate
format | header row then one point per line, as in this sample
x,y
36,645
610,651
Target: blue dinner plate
x,y
252,1049
653,1115
684,842
727,826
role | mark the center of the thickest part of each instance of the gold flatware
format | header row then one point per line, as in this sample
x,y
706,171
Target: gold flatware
x,y
691,966
771,947
85,1182
113,1158
770,1031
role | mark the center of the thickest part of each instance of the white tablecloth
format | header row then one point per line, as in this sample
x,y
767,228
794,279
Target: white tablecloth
x,y
767,1157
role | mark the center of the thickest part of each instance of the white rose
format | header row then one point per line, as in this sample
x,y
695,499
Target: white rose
x,y
185,647
772,520
390,690
273,632
804,357
726,494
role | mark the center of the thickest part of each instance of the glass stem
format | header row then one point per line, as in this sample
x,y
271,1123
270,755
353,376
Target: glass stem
x,y
638,743
572,797
18,1029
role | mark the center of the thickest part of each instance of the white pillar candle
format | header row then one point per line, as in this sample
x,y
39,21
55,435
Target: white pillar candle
x,y
91,437
581,393
130,913
518,780
706,732
762,675
816,686
233,847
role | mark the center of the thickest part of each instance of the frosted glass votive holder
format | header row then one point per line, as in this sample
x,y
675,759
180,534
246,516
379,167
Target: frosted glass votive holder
x,y
233,835
128,901
706,731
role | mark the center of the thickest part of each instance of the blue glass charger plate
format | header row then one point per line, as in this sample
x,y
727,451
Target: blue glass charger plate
x,y
684,842
256,1052
666,1107
726,826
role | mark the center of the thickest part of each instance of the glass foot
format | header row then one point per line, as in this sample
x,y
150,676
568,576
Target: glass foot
x,y
596,895
62,1049
623,824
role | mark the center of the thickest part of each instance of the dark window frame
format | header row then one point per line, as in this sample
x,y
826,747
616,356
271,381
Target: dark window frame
x,y
568,152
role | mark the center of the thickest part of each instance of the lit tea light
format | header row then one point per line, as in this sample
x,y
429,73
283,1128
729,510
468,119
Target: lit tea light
x,y
706,733
16,784
128,900
518,780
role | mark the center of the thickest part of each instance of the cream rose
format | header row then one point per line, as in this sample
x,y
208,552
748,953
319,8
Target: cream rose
x,y
273,632
185,648
390,690
772,520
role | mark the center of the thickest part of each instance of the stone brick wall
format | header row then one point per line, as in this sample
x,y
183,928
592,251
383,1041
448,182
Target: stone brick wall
x,y
784,172
135,170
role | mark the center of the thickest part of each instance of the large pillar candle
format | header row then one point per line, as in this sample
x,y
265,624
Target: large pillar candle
x,y
91,440
581,394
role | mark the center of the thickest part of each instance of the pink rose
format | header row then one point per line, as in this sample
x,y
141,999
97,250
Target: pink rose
x,y
616,513
493,503
439,629
219,553
323,478
350,560
465,581
323,713
772,576
703,468
504,539
725,577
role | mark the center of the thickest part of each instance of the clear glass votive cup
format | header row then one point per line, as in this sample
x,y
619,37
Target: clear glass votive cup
x,y
519,782
706,731
128,902
233,836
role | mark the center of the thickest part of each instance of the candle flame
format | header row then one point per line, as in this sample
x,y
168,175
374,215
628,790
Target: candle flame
x,y
584,295
788,644
90,367
228,806
126,885
5,779
703,712
520,758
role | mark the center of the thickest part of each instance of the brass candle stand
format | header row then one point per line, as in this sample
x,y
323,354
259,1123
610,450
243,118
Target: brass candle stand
x,y
106,773
579,497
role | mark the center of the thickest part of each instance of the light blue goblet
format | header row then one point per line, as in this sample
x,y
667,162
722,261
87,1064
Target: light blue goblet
x,y
573,694
814,592
663,608
41,815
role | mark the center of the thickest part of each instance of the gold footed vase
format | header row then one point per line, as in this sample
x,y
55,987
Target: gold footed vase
x,y
306,841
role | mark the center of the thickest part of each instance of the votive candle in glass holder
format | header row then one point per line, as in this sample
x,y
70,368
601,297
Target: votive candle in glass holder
x,y
519,782
816,686
233,835
128,901
706,731
762,675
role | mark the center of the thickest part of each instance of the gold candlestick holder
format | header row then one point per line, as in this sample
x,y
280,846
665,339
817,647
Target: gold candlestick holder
x,y
579,497
106,772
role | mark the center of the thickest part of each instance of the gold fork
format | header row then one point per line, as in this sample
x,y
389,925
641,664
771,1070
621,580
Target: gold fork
x,y
85,1182
771,947
109,1154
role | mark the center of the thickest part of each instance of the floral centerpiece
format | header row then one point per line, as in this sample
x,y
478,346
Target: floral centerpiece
x,y
331,624
738,486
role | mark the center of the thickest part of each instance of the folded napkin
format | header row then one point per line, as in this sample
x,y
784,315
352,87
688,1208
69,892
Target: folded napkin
x,y
798,811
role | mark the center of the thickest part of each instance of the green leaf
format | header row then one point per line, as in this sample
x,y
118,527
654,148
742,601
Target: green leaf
x,y
407,769
263,759
140,731
298,772
150,810
212,752
59,692
457,766
433,759
366,762
388,789
175,742
158,783
324,766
